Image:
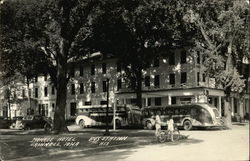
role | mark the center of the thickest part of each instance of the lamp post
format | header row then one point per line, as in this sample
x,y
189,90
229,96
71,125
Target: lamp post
x,y
107,109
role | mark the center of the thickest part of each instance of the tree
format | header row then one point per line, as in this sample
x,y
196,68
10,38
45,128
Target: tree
x,y
55,29
222,38
136,31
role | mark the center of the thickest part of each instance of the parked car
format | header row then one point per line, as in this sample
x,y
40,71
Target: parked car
x,y
5,122
33,122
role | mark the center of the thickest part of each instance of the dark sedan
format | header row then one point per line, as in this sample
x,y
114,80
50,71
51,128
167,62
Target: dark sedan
x,y
33,122
5,122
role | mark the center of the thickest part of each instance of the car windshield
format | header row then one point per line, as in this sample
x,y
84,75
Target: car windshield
x,y
28,118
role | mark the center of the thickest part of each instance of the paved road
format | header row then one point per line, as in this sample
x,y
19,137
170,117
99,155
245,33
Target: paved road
x,y
201,145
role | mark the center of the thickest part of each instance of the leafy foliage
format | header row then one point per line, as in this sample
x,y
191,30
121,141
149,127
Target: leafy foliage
x,y
222,39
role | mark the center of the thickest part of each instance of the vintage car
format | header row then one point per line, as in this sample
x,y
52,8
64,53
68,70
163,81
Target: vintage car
x,y
29,122
5,122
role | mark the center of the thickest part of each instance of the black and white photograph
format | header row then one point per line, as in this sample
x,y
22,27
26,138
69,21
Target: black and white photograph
x,y
124,80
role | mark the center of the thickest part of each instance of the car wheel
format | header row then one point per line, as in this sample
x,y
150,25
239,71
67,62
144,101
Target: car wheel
x,y
187,125
27,128
118,124
81,123
47,128
149,125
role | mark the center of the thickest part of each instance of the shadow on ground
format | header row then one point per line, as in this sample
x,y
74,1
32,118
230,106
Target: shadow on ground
x,y
18,144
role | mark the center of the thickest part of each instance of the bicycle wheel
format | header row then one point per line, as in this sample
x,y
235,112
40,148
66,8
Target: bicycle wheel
x,y
162,137
176,135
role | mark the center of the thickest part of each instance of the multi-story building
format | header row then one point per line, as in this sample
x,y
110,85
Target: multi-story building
x,y
176,79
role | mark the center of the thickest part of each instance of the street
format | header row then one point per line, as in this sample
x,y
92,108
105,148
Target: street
x,y
136,145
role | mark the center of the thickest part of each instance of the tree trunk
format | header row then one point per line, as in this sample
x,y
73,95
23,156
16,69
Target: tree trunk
x,y
139,88
9,106
29,100
61,95
227,112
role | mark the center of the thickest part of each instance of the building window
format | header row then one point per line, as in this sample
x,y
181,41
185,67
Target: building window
x,y
203,77
118,66
87,103
45,77
173,100
198,78
172,78
133,101
45,91
73,89
92,69
36,92
198,58
40,109
104,68
72,109
23,93
171,59
119,84
147,81
81,71
43,110
183,57
156,62
183,77
149,101
104,86
158,101
53,107
157,81
103,102
81,88
46,109
53,90
93,87
72,72
235,106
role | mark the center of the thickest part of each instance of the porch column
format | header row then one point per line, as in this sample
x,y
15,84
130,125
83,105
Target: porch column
x,y
219,104
146,101
169,100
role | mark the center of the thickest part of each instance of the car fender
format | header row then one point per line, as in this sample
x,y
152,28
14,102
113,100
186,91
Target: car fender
x,y
86,119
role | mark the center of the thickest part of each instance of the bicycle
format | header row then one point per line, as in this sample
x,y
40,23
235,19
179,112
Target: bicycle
x,y
164,135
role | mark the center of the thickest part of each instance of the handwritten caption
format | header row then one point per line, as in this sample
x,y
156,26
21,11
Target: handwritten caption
x,y
54,142
106,140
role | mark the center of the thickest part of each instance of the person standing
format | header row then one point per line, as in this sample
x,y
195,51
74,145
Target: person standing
x,y
157,123
170,124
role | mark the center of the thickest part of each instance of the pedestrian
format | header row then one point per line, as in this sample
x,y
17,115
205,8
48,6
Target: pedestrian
x,y
170,124
157,123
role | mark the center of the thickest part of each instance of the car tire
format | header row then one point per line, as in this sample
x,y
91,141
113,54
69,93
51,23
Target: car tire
x,y
149,125
187,125
118,124
82,123
27,128
47,128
